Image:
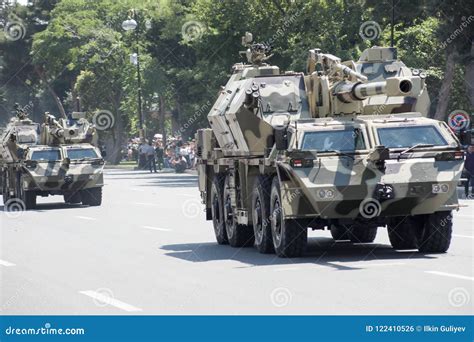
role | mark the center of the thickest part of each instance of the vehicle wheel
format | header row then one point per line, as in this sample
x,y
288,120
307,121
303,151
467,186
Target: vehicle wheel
x,y
339,232
261,214
437,230
91,197
402,232
362,234
73,198
289,237
238,235
217,209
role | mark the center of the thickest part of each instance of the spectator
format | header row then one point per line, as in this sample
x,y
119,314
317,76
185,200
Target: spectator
x,y
179,164
159,155
142,160
469,171
150,157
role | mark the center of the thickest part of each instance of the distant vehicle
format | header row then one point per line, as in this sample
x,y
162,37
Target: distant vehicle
x,y
346,147
63,164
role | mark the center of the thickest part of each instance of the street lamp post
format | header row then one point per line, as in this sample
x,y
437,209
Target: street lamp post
x,y
131,25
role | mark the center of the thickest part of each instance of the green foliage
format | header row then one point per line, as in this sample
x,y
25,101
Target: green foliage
x,y
84,52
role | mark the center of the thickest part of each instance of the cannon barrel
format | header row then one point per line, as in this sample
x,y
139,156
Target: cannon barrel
x,y
350,92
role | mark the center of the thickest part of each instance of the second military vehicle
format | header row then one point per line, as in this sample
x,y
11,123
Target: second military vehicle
x,y
49,159
345,147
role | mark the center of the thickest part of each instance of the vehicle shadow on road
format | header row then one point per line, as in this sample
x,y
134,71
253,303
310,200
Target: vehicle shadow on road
x,y
168,182
320,251
40,207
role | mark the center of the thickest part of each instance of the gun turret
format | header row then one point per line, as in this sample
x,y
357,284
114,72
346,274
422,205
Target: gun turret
x,y
348,92
20,112
256,53
376,84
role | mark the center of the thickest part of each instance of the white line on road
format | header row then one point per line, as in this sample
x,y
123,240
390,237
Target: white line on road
x,y
286,269
143,203
6,263
464,216
86,218
452,275
110,301
464,236
156,228
136,189
348,264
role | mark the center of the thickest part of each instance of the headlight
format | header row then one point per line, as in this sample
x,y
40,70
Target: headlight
x,y
440,188
326,193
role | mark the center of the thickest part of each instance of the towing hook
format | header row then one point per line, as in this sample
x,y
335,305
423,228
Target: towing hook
x,y
384,192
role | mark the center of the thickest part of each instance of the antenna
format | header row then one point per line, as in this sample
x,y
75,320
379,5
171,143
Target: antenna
x,y
296,133
393,23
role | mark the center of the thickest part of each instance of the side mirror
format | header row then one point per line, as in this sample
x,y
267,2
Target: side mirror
x,y
379,154
465,137
281,137
66,161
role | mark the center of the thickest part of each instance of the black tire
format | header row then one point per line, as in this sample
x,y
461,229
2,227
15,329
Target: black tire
x,y
72,198
289,236
339,232
437,231
217,209
92,197
261,214
238,235
402,232
362,234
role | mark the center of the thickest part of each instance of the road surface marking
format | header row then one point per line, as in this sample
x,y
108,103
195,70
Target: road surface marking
x,y
464,216
86,218
136,189
110,301
156,228
6,263
452,275
189,195
464,236
286,269
348,264
143,203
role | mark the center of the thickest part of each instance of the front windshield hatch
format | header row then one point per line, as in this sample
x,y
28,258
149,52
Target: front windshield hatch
x,y
340,141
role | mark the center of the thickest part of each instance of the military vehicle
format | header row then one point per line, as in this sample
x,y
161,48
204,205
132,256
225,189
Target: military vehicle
x,y
49,159
347,147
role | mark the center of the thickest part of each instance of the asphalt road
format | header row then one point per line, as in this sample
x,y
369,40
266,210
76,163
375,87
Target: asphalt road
x,y
149,250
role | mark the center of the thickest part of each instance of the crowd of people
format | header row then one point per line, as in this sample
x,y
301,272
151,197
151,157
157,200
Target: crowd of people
x,y
154,155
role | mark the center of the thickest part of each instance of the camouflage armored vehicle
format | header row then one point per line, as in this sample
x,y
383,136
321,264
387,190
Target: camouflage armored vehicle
x,y
345,147
42,160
